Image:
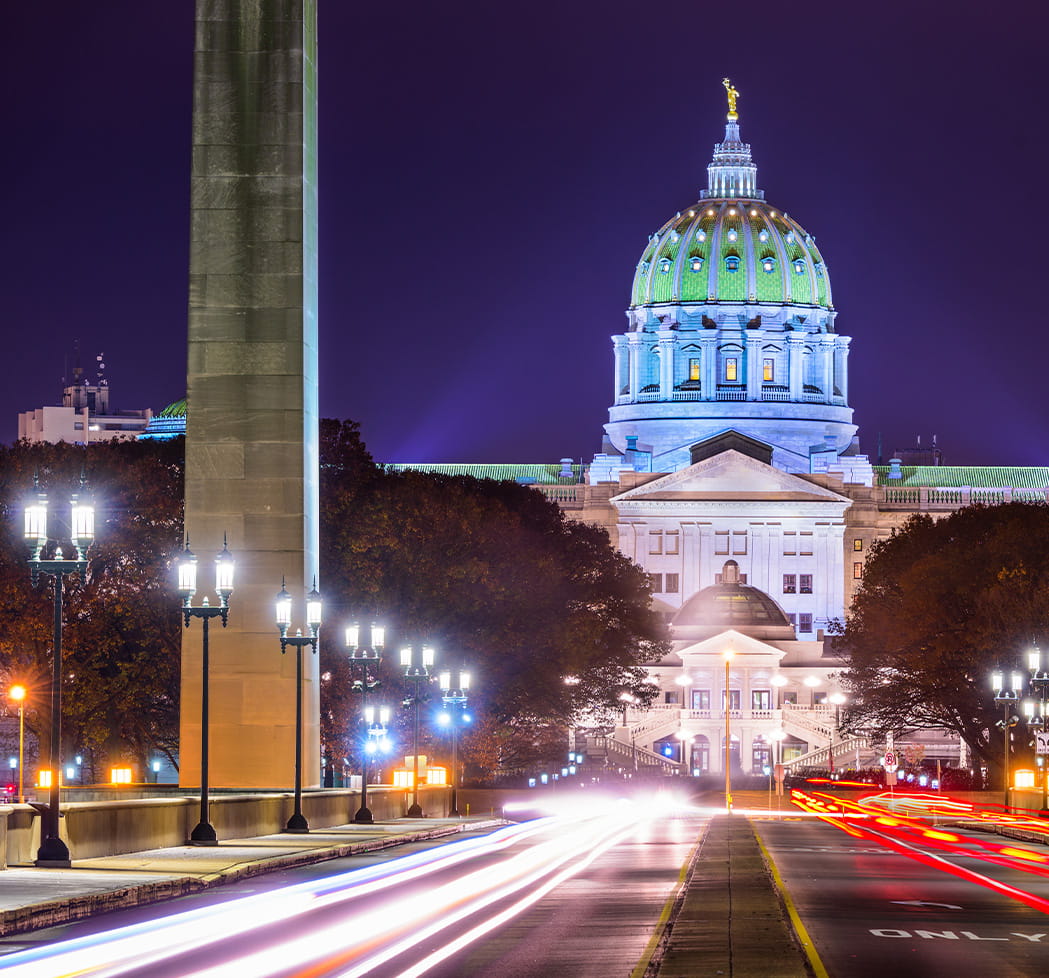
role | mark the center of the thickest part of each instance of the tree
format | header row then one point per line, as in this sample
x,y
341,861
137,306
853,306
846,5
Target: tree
x,y
121,640
943,603
492,574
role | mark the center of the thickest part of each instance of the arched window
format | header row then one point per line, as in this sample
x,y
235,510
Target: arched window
x,y
768,264
696,263
731,263
799,266
664,266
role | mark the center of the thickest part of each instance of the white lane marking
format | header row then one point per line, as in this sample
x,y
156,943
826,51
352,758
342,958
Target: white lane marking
x,y
950,935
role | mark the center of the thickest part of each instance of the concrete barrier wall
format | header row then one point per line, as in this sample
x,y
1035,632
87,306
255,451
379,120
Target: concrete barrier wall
x,y
109,828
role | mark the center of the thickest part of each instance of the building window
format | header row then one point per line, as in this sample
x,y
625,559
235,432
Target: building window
x,y
761,699
671,583
799,267
731,263
693,368
792,618
731,369
789,697
734,700
733,234
790,583
655,541
806,543
672,696
768,265
718,578
768,369
657,583
671,542
721,542
804,622
664,266
790,543
857,571
696,263
857,544
739,541
805,583
701,699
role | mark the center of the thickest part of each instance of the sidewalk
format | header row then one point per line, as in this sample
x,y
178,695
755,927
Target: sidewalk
x,y
31,898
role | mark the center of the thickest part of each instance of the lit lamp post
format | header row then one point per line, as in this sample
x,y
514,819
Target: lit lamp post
x,y
361,657
1039,721
297,823
728,656
778,736
53,851
377,721
417,661
1008,698
837,698
18,693
204,832
453,693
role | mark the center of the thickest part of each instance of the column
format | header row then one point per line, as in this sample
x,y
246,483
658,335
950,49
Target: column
x,y
709,346
827,356
796,353
753,367
620,375
634,340
842,373
667,343
251,439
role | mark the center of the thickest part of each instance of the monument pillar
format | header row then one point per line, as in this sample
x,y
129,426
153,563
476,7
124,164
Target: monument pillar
x,y
251,433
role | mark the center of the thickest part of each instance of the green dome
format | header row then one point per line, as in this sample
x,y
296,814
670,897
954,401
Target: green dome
x,y
734,249
175,410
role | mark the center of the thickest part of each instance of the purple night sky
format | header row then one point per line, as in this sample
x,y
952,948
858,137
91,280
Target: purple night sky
x,y
489,174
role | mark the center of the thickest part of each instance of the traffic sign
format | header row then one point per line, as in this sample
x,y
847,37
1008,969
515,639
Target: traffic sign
x,y
1041,739
891,760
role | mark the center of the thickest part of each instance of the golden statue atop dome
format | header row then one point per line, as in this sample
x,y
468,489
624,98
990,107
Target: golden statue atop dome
x,y
733,94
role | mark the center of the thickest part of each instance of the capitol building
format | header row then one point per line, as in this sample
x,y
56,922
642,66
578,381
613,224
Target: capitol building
x,y
731,472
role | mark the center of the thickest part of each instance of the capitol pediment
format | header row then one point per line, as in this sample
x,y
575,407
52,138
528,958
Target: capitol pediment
x,y
730,476
737,642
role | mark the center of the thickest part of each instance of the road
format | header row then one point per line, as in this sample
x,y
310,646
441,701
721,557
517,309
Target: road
x,y
577,894
914,901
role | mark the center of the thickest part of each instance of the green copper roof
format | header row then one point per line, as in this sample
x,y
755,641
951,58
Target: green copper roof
x,y
732,250
175,410
973,476
539,474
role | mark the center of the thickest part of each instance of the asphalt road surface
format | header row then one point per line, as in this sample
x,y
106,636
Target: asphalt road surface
x,y
578,895
872,911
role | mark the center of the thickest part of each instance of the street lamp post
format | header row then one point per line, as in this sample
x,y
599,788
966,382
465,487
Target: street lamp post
x,y
837,698
377,722
1039,720
362,656
454,688
297,823
416,661
18,694
728,656
53,852
204,832
1007,698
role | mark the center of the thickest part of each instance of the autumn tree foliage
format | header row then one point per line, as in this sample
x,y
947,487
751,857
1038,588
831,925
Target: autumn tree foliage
x,y
494,576
944,603
121,640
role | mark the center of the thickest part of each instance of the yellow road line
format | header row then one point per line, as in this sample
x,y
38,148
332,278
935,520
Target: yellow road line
x,y
664,916
799,928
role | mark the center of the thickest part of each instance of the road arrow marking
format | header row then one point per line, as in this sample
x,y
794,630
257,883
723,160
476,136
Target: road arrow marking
x,y
925,903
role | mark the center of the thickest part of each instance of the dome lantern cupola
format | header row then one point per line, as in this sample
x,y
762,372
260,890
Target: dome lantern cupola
x,y
732,172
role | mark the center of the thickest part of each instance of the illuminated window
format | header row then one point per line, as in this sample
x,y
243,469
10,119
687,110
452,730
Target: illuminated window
x,y
768,265
696,263
731,263
819,269
733,234
768,369
721,542
655,541
675,236
731,367
805,583
701,235
799,267
671,582
672,537
789,583
764,235
790,237
857,571
693,368
701,699
734,699
761,699
857,544
804,622
664,266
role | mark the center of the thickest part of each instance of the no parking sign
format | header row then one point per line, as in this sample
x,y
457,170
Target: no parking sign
x,y
891,760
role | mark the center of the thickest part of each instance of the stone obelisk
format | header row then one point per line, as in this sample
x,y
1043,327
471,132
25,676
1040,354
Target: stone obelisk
x,y
251,435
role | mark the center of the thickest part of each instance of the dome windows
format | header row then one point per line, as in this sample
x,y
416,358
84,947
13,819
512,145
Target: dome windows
x,y
818,266
768,264
732,263
701,235
643,267
799,266
695,263
664,266
733,234
675,236
790,237
763,235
